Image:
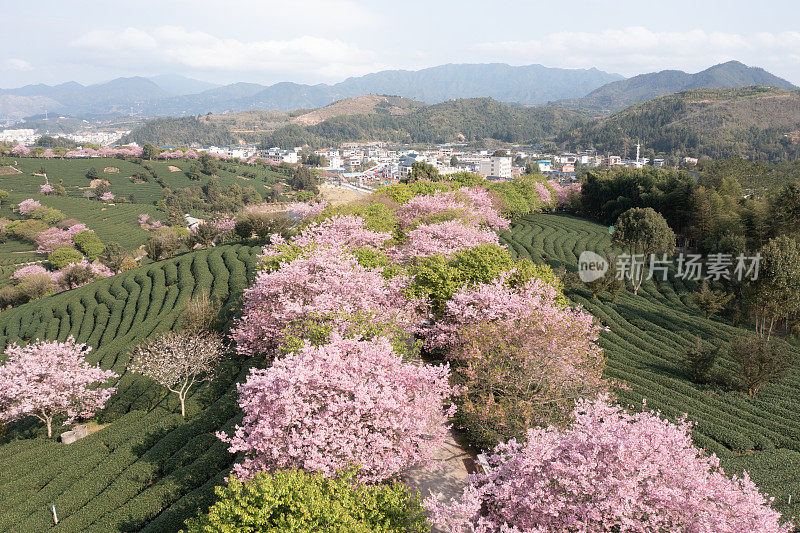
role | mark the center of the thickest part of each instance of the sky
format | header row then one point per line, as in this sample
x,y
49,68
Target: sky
x,y
326,41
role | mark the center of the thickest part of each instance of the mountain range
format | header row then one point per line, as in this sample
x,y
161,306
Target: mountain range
x,y
623,93
178,96
592,90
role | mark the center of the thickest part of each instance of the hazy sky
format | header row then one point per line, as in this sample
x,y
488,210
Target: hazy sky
x,y
316,41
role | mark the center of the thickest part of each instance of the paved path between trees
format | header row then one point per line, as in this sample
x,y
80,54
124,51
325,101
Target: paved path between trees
x,y
448,473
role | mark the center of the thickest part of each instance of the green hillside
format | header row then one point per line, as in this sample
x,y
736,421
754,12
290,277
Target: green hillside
x,y
147,470
471,119
644,347
752,122
116,221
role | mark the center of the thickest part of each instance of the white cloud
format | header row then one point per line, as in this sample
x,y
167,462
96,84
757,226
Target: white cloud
x,y
177,46
637,49
15,63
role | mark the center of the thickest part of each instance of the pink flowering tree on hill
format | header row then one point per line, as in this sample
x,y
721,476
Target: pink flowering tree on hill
x,y
611,471
49,379
350,403
27,206
20,150
445,238
326,284
471,205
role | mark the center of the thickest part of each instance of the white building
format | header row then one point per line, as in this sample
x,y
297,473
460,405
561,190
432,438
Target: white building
x,y
495,167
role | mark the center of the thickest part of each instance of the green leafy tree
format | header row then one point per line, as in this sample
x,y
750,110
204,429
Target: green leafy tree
x,y
700,358
64,255
92,173
760,360
114,256
3,196
293,500
149,151
89,243
640,232
710,301
421,170
208,164
775,296
454,161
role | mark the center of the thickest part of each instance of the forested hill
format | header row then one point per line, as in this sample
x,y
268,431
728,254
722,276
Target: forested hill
x,y
620,94
759,123
470,119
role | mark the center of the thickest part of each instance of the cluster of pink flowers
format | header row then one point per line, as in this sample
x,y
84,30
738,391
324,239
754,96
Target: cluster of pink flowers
x,y
45,379
95,270
107,196
543,192
445,238
144,218
225,225
326,283
46,189
166,154
29,270
307,210
52,238
340,231
20,150
349,403
106,151
610,471
25,207
564,192
563,327
471,205
48,153
144,221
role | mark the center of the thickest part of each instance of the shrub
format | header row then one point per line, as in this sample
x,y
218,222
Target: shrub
x,y
89,243
200,314
700,358
64,255
293,500
36,286
347,404
759,360
11,296
26,230
606,473
162,244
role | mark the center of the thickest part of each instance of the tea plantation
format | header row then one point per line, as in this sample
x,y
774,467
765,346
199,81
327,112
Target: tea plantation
x,y
644,348
107,219
147,469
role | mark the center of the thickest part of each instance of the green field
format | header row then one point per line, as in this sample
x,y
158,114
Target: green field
x,y
117,222
644,347
148,469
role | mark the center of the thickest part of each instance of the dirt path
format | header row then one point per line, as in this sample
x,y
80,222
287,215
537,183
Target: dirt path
x,y
447,476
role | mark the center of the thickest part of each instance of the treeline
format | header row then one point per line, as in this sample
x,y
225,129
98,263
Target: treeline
x,y
181,131
456,120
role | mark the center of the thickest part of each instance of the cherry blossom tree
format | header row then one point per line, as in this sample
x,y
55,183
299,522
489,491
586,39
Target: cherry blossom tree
x,y
46,189
178,360
326,283
48,379
498,302
341,231
610,471
350,403
107,196
445,238
471,205
27,206
52,238
20,150
307,210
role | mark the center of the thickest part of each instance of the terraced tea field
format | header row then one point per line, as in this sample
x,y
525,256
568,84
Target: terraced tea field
x,y
107,219
644,346
147,469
